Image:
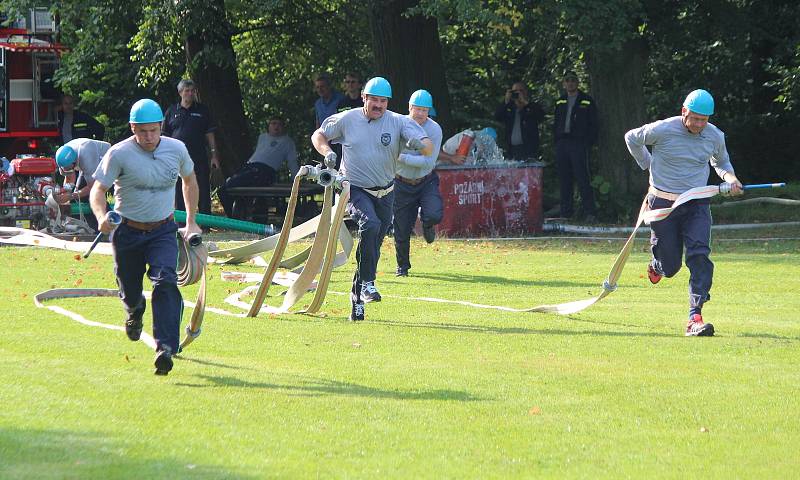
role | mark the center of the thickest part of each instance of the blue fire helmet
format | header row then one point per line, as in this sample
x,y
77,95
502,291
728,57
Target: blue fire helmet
x,y
491,132
378,87
421,98
700,101
146,111
66,156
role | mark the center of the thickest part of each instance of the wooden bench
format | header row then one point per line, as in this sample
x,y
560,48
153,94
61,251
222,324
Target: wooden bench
x,y
270,202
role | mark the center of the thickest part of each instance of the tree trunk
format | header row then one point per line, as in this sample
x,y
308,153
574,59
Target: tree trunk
x,y
212,64
616,78
408,53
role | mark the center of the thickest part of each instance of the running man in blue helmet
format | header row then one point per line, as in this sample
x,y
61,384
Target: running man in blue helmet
x,y
144,169
417,185
682,149
371,139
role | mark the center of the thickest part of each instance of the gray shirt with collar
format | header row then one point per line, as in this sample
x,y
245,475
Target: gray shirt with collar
x,y
370,147
414,165
680,159
144,182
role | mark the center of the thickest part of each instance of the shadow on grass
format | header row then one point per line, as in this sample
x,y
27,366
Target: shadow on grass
x,y
487,279
43,454
520,330
184,358
317,387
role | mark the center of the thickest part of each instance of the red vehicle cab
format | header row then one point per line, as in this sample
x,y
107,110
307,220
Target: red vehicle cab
x,y
29,57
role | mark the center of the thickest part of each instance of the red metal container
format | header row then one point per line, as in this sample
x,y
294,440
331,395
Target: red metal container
x,y
491,201
34,166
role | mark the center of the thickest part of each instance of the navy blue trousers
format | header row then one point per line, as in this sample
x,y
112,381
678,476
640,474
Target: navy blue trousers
x,y
135,251
687,227
572,157
408,199
373,216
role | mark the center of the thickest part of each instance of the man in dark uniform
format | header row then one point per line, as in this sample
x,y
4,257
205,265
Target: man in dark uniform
x,y
76,124
521,117
191,123
575,130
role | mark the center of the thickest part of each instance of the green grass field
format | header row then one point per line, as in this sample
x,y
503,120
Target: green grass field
x,y
420,389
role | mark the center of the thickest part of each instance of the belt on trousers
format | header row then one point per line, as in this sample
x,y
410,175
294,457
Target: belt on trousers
x,y
145,226
412,181
379,192
661,194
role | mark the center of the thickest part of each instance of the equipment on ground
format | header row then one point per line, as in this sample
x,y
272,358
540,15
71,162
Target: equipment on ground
x,y
25,184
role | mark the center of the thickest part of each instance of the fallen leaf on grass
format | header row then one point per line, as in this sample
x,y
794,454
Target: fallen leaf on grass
x,y
356,345
78,282
77,257
127,359
704,430
535,411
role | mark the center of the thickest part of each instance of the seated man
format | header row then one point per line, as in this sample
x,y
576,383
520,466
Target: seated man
x,y
81,155
274,148
484,149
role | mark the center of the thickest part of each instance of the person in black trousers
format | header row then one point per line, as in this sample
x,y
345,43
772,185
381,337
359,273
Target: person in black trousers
x,y
575,130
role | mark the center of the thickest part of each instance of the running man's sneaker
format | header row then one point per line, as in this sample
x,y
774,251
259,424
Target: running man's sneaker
x,y
429,233
357,312
163,362
133,325
654,276
697,328
401,272
369,293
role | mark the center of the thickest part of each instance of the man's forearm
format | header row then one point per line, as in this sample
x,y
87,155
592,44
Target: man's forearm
x,y
97,200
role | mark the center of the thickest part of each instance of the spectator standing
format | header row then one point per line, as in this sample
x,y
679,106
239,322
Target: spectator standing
x,y
417,185
190,122
328,102
352,93
371,139
521,117
682,149
74,123
575,131
143,170
273,149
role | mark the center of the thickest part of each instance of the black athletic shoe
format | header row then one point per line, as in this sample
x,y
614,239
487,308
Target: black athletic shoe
x,y
357,312
369,293
163,362
133,325
401,272
429,233
697,328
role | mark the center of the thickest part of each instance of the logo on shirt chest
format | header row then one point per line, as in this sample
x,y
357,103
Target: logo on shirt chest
x,y
386,139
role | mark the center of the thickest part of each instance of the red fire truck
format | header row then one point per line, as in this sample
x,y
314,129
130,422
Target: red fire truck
x,y
29,57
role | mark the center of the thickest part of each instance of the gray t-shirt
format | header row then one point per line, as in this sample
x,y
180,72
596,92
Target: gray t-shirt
x,y
680,159
370,147
90,152
273,151
414,164
144,181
